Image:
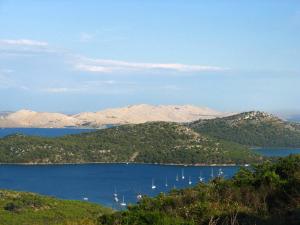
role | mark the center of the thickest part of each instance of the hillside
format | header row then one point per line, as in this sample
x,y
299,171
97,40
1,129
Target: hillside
x,y
268,194
153,142
134,114
27,208
252,129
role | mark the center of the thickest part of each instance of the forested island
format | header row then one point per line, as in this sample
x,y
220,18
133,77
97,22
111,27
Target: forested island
x,y
216,141
153,142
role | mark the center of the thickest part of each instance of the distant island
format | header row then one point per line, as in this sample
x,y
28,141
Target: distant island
x,y
204,142
134,114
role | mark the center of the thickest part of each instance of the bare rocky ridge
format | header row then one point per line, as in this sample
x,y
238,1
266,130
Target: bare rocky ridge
x,y
134,114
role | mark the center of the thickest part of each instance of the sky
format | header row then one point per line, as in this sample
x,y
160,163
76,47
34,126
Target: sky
x,y
73,56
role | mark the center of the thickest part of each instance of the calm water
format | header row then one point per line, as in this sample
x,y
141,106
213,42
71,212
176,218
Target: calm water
x,y
45,132
98,181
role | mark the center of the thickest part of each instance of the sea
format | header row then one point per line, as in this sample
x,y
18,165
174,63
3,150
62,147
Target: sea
x,y
102,183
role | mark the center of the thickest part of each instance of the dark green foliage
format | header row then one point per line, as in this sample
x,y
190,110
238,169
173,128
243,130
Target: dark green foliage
x,y
267,194
156,142
252,129
21,208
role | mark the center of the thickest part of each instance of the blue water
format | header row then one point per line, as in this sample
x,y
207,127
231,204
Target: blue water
x,y
98,181
277,151
45,132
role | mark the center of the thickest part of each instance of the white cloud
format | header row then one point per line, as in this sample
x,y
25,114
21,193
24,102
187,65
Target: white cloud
x,y
108,66
93,68
23,42
25,47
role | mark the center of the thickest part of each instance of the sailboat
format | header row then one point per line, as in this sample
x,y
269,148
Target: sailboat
x,y
182,174
153,186
190,182
201,179
220,173
212,173
123,203
116,199
139,197
177,178
166,184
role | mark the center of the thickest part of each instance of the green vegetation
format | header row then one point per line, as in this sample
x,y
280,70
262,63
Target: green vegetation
x,y
268,194
20,208
157,142
252,129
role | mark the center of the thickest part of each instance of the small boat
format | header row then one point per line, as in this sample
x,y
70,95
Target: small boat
x,y
166,184
182,174
139,197
201,179
177,178
190,182
123,203
220,173
115,193
85,198
212,173
153,185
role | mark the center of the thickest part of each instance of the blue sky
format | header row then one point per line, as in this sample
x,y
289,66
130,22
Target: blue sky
x,y
71,56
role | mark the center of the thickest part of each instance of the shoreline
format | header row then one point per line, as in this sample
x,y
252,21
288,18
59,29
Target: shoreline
x,y
127,163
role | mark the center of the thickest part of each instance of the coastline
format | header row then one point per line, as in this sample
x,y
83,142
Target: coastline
x,y
126,163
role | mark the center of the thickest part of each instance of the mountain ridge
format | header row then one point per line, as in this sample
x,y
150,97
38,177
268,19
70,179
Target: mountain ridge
x,y
254,128
133,114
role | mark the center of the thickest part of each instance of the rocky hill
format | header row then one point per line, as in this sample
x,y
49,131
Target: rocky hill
x,y
153,142
134,114
253,129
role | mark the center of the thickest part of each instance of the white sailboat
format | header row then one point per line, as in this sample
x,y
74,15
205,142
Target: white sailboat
x,y
139,197
220,173
212,173
190,182
166,184
201,179
153,185
177,178
182,174
123,203
115,194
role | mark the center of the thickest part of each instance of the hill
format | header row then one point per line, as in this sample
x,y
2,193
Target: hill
x,y
134,114
267,194
252,129
24,208
153,142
